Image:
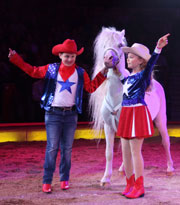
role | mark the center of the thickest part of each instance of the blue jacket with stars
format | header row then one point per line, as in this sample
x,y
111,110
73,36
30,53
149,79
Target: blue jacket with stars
x,y
137,84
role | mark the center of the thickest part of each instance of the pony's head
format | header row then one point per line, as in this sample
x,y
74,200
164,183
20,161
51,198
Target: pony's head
x,y
109,42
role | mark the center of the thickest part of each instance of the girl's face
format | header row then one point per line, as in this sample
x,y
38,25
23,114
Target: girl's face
x,y
68,59
134,61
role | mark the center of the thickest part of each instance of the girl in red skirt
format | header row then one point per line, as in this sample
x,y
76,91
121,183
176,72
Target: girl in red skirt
x,y
135,122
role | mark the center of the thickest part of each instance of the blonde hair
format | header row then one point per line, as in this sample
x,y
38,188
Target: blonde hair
x,y
143,66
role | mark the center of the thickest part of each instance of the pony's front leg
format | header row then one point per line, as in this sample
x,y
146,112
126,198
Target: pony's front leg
x,y
121,168
161,125
109,135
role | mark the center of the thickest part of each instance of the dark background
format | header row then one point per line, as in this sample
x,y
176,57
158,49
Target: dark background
x,y
33,27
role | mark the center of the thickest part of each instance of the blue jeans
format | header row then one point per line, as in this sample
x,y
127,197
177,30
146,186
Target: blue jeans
x,y
60,129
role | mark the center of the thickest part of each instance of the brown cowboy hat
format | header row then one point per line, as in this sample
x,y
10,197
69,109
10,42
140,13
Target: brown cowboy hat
x,y
68,46
139,50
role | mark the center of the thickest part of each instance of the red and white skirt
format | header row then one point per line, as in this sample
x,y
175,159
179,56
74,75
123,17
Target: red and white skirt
x,y
135,122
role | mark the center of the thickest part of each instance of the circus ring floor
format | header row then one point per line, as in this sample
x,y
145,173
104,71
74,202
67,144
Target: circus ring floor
x,y
21,170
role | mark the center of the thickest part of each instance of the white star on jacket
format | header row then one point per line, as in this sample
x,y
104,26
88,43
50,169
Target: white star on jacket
x,y
126,87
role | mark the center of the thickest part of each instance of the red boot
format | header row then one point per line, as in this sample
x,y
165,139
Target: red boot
x,y
64,185
138,189
46,188
129,186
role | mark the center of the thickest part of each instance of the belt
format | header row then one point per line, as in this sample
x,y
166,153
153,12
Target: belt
x,y
64,108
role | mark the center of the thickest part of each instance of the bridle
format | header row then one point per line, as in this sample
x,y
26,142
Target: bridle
x,y
116,53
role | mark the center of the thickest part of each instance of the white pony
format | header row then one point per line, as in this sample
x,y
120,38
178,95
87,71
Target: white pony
x,y
105,102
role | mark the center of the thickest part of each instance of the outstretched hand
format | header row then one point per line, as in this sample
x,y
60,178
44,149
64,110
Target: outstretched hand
x,y
11,53
163,41
104,71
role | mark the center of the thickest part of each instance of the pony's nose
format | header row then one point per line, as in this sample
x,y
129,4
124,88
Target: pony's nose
x,y
108,57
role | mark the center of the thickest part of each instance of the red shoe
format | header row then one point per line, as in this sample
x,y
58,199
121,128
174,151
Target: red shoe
x,y
130,185
64,185
46,188
138,189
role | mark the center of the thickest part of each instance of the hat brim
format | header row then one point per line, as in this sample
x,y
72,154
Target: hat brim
x,y
59,49
136,52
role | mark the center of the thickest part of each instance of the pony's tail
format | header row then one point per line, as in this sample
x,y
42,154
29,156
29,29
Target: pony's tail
x,y
95,104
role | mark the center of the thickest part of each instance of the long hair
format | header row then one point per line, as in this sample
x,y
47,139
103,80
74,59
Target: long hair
x,y
142,67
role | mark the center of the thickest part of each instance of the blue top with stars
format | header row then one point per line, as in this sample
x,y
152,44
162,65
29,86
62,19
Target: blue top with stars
x,y
136,85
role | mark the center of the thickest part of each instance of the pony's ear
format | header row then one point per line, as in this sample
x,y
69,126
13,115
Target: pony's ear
x,y
123,32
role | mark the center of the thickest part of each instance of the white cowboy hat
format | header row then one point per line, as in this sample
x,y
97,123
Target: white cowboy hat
x,y
139,50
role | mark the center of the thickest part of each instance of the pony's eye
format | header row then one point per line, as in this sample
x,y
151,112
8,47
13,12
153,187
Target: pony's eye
x,y
120,45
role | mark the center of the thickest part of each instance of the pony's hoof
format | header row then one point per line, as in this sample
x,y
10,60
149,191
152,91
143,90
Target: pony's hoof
x,y
170,173
105,184
121,173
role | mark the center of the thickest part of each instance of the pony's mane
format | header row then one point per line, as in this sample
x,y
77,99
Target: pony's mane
x,y
105,39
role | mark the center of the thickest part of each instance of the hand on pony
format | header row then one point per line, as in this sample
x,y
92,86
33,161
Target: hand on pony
x,y
104,71
116,71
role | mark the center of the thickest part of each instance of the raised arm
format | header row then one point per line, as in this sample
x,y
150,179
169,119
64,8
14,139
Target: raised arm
x,y
33,71
163,41
91,85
